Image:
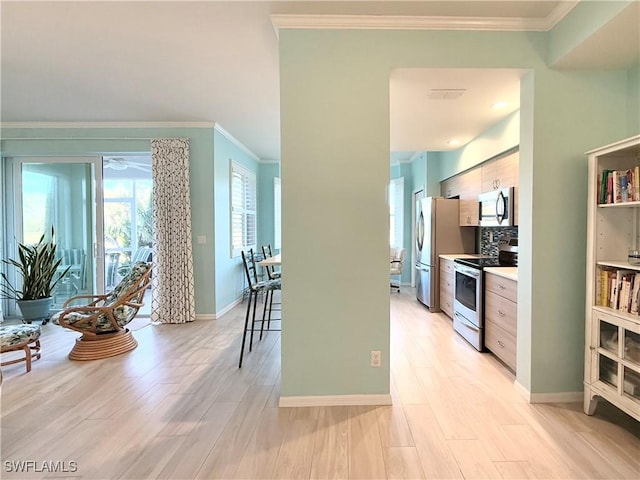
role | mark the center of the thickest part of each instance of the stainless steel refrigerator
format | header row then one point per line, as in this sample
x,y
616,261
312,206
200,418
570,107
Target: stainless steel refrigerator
x,y
437,232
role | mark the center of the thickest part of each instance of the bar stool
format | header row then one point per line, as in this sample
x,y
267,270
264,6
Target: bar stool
x,y
255,289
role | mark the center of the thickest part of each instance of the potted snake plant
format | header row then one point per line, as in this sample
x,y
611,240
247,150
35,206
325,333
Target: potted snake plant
x,y
37,266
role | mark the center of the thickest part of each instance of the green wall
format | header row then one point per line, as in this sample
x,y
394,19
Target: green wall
x,y
633,94
229,275
584,20
337,75
266,173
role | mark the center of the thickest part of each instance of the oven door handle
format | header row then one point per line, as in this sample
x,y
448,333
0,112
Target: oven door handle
x,y
471,272
466,322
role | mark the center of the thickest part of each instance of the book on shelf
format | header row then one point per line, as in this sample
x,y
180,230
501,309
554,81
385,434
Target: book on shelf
x,y
618,288
603,292
625,292
619,186
635,291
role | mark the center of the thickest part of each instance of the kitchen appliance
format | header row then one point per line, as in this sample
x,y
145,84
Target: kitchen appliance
x,y
468,291
496,208
437,232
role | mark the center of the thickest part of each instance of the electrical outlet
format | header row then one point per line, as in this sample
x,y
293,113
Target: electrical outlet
x,y
491,237
375,358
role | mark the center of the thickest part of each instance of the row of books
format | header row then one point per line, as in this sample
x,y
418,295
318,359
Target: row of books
x,y
619,186
619,289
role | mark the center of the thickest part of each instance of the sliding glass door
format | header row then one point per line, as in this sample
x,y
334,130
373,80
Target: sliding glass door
x,y
63,193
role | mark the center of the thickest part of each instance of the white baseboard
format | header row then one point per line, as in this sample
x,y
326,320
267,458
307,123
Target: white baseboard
x,y
556,397
205,316
228,308
335,400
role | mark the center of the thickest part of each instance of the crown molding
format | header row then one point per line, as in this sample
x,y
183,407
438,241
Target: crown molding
x,y
411,22
236,142
107,124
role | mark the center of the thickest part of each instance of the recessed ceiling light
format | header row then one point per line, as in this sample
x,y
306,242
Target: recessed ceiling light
x,y
453,141
499,105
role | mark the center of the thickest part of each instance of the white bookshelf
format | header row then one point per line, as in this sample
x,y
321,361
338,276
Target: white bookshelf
x,y
612,335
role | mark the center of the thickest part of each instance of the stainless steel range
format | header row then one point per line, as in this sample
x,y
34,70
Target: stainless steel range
x,y
468,288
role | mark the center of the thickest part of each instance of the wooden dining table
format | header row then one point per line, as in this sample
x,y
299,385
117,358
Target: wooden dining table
x,y
274,261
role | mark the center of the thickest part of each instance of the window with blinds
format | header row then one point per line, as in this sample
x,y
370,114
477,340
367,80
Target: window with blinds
x,y
243,209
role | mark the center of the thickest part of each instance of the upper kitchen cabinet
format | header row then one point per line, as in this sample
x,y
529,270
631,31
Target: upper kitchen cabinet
x,y
470,187
500,173
450,188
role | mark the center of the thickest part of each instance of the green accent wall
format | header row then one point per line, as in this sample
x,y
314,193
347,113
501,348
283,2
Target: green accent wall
x,y
266,215
334,317
633,94
229,274
583,21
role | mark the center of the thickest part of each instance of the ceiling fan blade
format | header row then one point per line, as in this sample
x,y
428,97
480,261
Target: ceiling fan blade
x,y
140,166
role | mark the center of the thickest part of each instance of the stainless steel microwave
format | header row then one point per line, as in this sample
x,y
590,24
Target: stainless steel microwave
x,y
496,208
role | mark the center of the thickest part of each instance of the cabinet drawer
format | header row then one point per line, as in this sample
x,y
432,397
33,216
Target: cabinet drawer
x,y
446,267
446,282
501,311
446,294
501,343
502,286
446,305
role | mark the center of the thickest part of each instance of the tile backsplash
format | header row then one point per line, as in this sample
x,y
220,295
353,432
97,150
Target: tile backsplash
x,y
490,236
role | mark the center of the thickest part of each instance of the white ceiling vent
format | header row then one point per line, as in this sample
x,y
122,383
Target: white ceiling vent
x,y
445,93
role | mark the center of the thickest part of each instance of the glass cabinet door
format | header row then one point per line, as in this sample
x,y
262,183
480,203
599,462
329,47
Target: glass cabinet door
x,y
631,355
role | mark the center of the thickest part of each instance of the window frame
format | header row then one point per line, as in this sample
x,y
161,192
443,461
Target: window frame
x,y
249,181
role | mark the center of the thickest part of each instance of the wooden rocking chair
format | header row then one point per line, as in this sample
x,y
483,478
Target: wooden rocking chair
x,y
103,321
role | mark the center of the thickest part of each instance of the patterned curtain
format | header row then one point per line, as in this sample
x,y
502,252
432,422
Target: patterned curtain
x,y
173,291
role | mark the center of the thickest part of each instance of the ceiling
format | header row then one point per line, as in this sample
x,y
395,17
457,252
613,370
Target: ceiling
x,y
214,61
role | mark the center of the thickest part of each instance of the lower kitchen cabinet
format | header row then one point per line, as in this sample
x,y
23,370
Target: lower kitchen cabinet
x,y
446,286
500,315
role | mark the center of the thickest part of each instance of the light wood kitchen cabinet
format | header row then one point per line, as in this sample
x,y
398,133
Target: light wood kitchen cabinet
x,y
500,315
612,326
450,187
470,188
469,213
501,172
494,174
446,286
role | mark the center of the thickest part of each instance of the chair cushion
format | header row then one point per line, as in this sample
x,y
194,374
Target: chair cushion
x,y
123,315
12,335
275,284
138,269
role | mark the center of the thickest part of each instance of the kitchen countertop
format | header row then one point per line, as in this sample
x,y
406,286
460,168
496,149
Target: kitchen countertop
x,y
507,272
453,256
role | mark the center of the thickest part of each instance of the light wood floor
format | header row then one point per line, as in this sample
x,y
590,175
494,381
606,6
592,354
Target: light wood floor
x,y
178,408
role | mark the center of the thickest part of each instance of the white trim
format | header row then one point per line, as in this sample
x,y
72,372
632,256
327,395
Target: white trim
x,y
334,400
558,13
559,397
236,142
415,22
226,309
522,390
205,316
214,125
107,125
556,397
